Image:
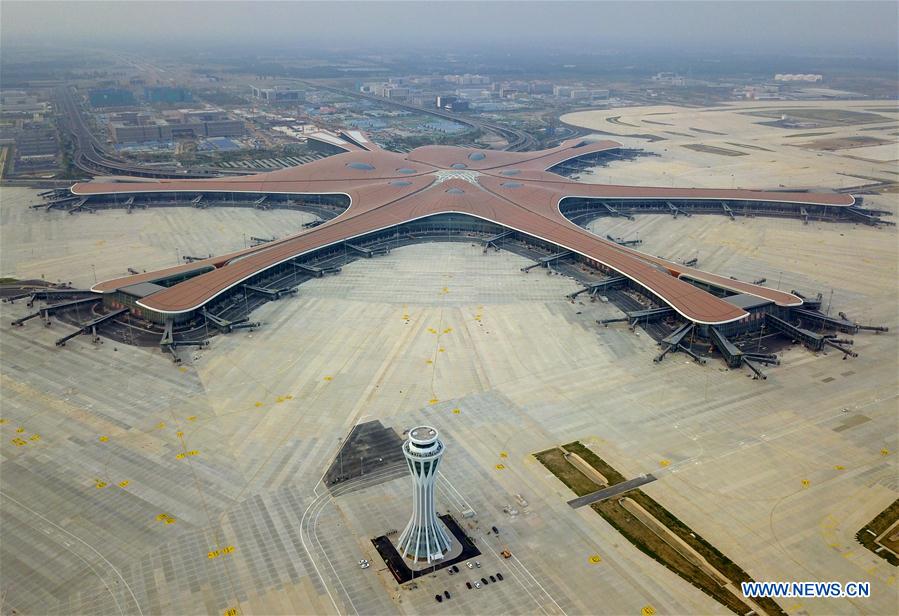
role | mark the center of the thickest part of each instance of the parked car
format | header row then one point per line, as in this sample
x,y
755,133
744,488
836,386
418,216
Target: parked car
x,y
477,564
446,594
468,584
499,576
438,598
455,569
484,581
495,530
469,565
477,584
493,579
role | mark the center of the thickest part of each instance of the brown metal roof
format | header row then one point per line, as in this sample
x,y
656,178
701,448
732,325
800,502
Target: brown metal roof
x,y
445,179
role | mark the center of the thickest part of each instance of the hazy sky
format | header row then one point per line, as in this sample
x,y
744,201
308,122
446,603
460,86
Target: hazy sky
x,y
771,27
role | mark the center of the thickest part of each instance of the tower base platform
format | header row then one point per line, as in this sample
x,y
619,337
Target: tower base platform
x,y
405,571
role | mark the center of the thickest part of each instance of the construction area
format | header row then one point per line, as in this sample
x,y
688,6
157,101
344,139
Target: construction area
x,y
252,475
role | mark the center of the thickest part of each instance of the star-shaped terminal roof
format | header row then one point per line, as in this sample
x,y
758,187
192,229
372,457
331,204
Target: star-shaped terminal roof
x,y
512,189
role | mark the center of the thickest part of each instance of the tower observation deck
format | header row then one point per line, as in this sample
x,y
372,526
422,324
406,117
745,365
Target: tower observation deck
x,y
424,538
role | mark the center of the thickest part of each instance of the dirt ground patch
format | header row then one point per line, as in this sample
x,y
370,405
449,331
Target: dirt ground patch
x,y
823,117
711,149
842,143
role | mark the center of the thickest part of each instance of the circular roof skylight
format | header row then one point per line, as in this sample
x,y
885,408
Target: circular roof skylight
x,y
361,166
477,156
406,170
401,183
455,191
459,166
511,172
512,184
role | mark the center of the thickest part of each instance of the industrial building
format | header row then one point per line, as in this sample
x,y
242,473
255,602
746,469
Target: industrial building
x,y
111,97
134,127
278,94
167,94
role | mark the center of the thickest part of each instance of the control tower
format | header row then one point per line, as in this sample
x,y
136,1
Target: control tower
x,y
424,539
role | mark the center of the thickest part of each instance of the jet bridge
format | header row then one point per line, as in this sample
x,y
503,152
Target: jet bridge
x,y
273,294
493,239
368,253
45,312
813,341
727,210
623,242
595,287
735,358
91,326
545,261
676,210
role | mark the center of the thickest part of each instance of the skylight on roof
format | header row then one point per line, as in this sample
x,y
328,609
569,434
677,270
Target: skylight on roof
x,y
361,166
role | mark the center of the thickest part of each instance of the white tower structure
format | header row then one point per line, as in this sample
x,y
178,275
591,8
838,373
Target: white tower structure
x,y
424,538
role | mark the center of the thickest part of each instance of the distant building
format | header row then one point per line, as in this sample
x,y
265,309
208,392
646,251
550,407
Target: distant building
x,y
445,100
139,127
580,93
669,79
111,97
468,79
20,103
277,94
473,94
541,87
807,78
167,94
396,93
452,103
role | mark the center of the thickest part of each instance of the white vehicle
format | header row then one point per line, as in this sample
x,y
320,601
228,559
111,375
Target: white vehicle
x,y
477,584
469,565
477,564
